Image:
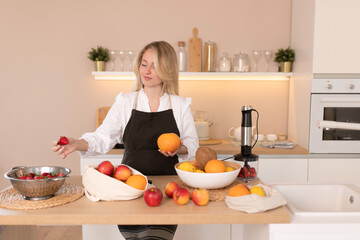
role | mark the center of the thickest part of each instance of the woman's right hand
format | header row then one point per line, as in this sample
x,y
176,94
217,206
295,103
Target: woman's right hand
x,y
64,150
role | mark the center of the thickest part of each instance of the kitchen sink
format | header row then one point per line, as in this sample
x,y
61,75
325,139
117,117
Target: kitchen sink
x,y
321,199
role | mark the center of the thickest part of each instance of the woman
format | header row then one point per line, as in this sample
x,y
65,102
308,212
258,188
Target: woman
x,y
139,118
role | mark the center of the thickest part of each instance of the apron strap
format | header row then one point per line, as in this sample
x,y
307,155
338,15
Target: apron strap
x,y
135,101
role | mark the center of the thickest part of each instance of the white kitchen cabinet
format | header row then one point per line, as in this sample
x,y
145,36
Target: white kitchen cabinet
x,y
336,36
334,170
203,232
283,170
313,231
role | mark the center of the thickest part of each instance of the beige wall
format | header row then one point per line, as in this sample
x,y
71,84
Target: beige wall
x,y
46,85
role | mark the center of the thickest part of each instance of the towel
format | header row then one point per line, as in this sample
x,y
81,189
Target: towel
x,y
254,203
280,144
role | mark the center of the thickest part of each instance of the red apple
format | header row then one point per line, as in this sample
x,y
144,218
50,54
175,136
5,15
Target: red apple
x,y
170,189
181,196
106,167
122,172
153,197
200,196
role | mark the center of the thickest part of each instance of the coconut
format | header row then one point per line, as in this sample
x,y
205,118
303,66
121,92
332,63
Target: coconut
x,y
203,155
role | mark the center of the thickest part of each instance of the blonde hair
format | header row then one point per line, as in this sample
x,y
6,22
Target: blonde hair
x,y
166,66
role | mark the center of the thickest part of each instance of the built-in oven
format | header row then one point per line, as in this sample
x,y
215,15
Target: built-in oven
x,y
335,116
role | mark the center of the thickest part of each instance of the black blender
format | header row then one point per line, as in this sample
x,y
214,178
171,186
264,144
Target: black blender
x,y
248,171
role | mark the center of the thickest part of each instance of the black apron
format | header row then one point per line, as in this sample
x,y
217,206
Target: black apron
x,y
141,152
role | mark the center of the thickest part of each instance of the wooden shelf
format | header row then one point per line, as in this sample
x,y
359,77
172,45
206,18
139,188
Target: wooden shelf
x,y
203,76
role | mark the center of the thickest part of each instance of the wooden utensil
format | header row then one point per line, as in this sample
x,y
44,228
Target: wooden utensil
x,y
195,53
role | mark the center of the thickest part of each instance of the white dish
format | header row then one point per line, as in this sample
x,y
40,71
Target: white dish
x,y
209,180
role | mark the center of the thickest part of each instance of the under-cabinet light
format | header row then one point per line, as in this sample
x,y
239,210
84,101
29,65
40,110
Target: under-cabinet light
x,y
203,76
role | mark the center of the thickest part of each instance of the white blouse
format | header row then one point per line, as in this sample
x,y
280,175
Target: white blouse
x,y
112,129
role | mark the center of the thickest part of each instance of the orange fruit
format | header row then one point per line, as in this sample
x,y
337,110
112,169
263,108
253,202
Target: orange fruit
x,y
168,142
238,190
137,181
215,166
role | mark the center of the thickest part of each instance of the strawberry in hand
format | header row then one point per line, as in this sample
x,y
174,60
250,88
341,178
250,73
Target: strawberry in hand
x,y
63,141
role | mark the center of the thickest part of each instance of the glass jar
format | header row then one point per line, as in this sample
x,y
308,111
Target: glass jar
x,y
210,48
248,171
225,63
182,57
241,63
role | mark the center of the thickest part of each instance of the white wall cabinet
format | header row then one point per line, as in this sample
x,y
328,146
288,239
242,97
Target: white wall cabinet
x,y
336,39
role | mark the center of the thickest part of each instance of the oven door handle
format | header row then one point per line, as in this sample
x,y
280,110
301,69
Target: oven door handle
x,y
340,99
338,125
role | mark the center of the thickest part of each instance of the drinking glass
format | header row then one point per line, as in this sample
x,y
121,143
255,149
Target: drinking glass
x,y
257,56
131,55
268,56
122,56
113,56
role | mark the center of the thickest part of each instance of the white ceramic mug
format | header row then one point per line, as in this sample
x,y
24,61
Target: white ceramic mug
x,y
235,133
271,137
260,137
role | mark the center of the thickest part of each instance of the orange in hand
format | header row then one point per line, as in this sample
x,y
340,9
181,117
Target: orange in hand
x,y
137,181
238,190
215,166
168,142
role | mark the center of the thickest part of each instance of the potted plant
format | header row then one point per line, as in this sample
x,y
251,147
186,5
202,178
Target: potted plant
x,y
100,56
285,57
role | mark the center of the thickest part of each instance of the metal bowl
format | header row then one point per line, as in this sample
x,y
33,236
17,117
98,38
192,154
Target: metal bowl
x,y
38,189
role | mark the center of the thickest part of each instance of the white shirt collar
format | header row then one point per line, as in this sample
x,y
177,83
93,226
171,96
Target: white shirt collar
x,y
143,94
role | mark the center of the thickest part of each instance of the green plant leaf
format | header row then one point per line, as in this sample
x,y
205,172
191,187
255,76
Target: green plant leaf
x,y
99,54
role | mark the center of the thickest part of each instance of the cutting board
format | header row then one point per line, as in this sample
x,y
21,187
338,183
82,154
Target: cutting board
x,y
195,53
101,114
211,141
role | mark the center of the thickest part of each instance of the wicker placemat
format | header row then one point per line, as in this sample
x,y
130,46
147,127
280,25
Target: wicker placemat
x,y
215,194
11,199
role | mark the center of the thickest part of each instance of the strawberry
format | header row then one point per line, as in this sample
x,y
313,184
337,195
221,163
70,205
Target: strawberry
x,y
63,141
60,174
252,172
22,177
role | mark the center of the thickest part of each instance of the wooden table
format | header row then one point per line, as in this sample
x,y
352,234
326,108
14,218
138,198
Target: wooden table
x,y
84,211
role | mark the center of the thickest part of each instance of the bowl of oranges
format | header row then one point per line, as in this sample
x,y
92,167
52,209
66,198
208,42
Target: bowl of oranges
x,y
216,174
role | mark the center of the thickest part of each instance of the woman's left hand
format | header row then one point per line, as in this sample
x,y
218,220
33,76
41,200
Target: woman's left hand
x,y
181,150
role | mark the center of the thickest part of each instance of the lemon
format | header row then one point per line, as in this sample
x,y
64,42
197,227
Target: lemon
x,y
257,190
186,166
229,169
199,171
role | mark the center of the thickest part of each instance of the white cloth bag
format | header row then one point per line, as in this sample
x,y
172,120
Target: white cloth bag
x,y
254,203
99,186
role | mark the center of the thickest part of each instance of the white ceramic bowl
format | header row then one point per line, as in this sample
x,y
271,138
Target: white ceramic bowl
x,y
209,180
